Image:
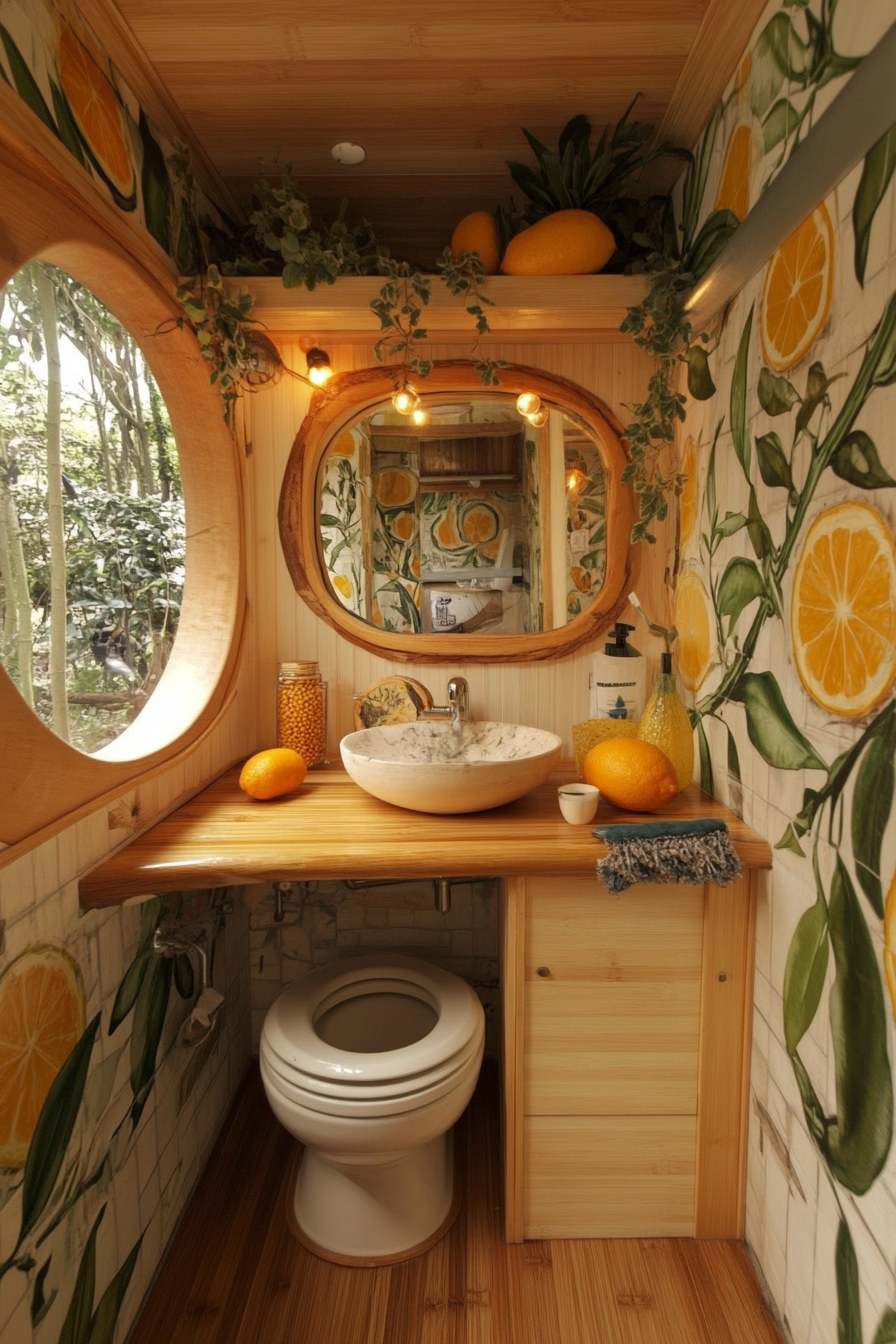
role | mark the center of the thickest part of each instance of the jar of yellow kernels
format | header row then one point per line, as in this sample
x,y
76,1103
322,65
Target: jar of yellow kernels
x,y
302,711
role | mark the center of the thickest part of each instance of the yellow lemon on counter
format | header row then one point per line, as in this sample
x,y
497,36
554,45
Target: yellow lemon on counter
x,y
268,774
631,774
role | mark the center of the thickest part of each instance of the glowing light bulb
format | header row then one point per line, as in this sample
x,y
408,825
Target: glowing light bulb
x,y
419,416
539,417
405,399
319,367
527,403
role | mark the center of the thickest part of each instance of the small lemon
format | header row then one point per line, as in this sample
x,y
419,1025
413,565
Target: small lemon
x,y
268,774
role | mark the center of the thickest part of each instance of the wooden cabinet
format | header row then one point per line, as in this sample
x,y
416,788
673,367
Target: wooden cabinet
x,y
626,1042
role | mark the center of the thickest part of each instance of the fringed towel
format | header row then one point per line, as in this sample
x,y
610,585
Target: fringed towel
x,y
693,852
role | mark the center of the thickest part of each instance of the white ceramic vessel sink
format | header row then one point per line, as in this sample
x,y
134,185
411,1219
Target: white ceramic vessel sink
x,y
434,766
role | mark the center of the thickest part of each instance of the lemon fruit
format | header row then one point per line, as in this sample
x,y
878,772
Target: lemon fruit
x,y
477,233
689,504
41,1019
799,285
568,242
631,774
268,774
692,621
734,186
843,609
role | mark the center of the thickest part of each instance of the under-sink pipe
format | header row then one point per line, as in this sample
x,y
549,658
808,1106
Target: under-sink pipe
x,y
173,944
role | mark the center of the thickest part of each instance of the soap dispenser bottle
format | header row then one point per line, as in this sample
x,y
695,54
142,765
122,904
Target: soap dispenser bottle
x,y
618,680
666,723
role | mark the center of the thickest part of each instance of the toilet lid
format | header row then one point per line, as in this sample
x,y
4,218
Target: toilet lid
x,y
295,1050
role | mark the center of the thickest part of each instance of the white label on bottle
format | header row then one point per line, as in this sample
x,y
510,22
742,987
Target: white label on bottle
x,y
614,700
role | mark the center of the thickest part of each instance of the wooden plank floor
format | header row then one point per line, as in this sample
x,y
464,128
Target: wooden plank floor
x,y
235,1275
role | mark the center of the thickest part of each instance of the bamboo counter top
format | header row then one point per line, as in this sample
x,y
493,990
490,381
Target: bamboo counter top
x,y
330,828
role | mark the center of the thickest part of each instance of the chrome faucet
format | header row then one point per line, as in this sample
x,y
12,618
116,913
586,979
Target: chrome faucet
x,y
457,710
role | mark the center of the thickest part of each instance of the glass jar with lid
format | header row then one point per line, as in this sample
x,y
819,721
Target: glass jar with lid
x,y
302,711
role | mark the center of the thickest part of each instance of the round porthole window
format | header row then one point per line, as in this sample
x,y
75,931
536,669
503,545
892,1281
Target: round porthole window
x,y
92,536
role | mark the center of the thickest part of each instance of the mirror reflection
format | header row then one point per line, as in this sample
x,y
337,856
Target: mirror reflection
x,y
473,521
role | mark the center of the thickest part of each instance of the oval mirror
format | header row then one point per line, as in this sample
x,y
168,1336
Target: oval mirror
x,y
465,529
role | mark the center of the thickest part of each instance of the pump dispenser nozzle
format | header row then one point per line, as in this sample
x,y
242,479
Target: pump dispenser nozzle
x,y
618,648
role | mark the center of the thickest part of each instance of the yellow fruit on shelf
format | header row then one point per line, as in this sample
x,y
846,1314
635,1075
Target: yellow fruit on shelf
x,y
268,774
631,774
41,1019
568,242
843,609
477,233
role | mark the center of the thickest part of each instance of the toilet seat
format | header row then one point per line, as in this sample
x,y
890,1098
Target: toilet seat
x,y
304,1068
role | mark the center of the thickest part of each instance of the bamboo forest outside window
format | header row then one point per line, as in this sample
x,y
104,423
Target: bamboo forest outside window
x,y
91,511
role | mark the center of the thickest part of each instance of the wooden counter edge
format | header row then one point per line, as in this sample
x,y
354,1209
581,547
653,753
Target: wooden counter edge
x,y
158,861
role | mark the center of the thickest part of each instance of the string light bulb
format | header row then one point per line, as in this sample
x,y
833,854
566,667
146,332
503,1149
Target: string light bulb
x,y
527,403
320,370
419,416
539,418
405,399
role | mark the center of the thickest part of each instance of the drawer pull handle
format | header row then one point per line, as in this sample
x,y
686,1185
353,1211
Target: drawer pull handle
x,y
542,970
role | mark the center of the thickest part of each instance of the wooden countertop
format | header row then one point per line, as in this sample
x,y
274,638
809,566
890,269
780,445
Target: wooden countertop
x,y
330,828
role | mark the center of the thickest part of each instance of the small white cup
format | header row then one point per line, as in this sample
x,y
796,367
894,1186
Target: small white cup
x,y
578,802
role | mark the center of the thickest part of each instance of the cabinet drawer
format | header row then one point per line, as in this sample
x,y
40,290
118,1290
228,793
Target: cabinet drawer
x,y
609,1176
613,1028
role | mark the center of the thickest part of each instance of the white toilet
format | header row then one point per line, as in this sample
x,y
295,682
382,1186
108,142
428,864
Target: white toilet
x,y
370,1061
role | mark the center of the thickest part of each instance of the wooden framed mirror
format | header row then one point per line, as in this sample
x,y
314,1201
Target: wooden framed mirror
x,y
473,535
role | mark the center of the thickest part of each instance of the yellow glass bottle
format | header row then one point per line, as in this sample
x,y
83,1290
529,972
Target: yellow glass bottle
x,y
666,724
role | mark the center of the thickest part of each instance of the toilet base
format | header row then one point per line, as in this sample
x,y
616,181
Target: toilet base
x,y
376,1213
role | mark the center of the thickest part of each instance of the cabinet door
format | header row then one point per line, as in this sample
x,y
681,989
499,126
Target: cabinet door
x,y
612,1020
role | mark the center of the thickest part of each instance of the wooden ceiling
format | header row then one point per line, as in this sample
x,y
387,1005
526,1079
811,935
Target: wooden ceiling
x,y
436,96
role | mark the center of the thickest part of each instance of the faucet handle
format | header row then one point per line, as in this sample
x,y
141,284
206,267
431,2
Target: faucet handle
x,y
458,693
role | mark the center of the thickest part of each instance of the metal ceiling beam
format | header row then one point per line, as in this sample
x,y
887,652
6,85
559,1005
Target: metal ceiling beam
x,y
861,113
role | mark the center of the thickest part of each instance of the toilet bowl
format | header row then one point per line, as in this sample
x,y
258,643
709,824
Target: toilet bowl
x,y
369,1062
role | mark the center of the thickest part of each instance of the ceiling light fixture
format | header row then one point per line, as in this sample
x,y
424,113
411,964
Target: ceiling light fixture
x,y
405,399
527,403
347,152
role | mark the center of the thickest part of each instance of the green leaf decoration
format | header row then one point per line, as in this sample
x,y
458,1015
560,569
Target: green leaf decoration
x,y
40,1305
876,173
733,758
129,988
790,840
771,728
857,461
146,1034
68,133
700,383
886,1328
98,1088
817,384
816,1121
773,465
54,1130
757,528
695,178
849,1306
105,1318
731,523
706,780
858,1142
781,118
776,394
76,1326
738,408
715,233
804,973
155,186
741,584
766,68
871,806
26,85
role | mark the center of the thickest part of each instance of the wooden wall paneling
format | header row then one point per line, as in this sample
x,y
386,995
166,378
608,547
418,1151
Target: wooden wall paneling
x,y
609,1176
726,1024
713,58
513,932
